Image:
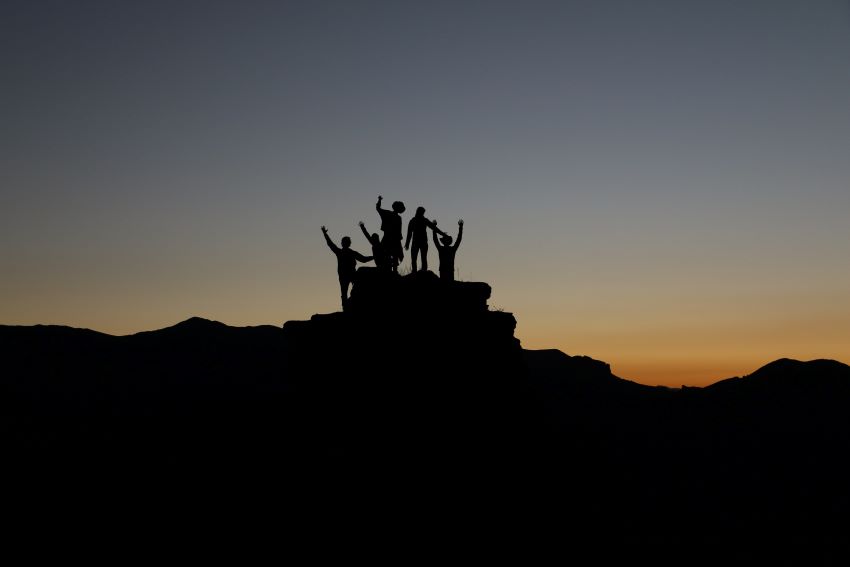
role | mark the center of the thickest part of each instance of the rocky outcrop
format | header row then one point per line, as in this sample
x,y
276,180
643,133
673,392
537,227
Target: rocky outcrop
x,y
414,356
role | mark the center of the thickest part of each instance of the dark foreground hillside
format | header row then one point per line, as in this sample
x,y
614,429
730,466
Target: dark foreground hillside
x,y
418,403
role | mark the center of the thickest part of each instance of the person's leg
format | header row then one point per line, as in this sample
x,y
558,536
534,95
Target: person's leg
x,y
343,289
423,250
398,252
418,253
414,252
389,254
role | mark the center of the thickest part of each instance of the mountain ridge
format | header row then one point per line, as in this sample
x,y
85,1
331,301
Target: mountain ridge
x,y
201,325
424,404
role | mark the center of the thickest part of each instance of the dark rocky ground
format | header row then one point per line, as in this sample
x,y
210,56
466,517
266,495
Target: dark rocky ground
x,y
419,406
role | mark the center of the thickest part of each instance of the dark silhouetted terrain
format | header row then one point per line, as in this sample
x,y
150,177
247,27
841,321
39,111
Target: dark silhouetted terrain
x,y
419,401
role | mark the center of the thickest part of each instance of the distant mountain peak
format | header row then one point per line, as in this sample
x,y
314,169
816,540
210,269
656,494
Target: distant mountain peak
x,y
196,323
787,373
785,366
191,327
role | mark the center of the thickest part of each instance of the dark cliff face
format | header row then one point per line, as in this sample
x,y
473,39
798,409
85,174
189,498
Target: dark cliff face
x,y
409,326
415,363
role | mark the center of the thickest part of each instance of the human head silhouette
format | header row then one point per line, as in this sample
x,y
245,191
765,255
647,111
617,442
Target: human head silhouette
x,y
446,240
346,242
420,211
398,207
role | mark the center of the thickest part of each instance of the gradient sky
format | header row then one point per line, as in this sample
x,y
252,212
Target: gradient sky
x,y
660,184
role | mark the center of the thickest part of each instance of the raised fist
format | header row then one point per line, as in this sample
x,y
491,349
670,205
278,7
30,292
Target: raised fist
x,y
460,222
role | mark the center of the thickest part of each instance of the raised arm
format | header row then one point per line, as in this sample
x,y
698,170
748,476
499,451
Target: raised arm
x,y
436,240
365,232
433,226
378,204
331,245
459,233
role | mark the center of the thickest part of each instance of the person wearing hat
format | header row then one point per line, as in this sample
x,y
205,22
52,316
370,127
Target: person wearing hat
x,y
417,232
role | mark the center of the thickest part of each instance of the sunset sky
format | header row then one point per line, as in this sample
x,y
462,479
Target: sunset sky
x,y
660,184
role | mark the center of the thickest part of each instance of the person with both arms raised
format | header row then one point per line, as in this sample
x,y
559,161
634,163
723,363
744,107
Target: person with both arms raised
x,y
417,231
447,252
346,262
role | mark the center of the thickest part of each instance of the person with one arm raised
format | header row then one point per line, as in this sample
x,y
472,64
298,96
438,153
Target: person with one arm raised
x,y
346,263
378,252
391,225
417,231
447,252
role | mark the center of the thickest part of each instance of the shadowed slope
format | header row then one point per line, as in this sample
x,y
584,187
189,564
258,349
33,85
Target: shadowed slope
x,y
419,392
416,364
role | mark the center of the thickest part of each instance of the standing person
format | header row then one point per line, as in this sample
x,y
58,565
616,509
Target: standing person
x,y
391,225
447,252
378,252
346,263
417,231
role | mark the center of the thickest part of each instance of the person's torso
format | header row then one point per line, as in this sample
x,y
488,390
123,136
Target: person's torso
x,y
391,224
346,261
447,256
419,229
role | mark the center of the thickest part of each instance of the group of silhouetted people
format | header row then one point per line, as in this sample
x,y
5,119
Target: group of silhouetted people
x,y
388,253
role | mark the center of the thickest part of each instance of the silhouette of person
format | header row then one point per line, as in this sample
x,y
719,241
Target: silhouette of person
x,y
378,252
447,252
417,231
346,263
391,226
